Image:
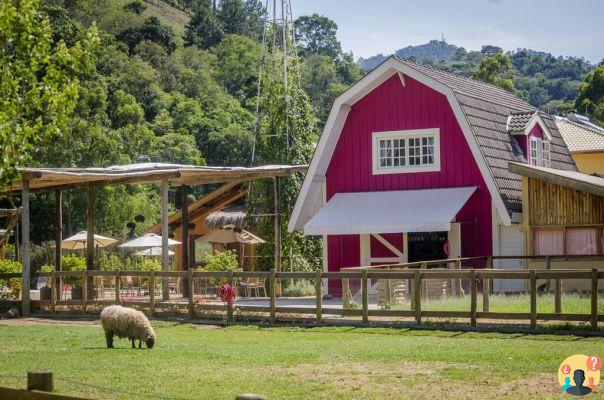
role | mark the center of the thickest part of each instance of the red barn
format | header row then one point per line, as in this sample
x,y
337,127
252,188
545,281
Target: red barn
x,y
413,165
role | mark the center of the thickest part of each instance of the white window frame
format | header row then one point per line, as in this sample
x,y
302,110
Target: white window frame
x,y
406,134
539,159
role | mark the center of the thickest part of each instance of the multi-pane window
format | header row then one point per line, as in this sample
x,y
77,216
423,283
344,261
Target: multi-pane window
x,y
540,152
406,151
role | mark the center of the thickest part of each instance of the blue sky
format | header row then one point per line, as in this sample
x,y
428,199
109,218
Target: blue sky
x,y
561,27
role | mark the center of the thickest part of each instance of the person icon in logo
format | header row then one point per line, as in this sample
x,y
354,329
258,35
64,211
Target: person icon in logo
x,y
579,389
566,383
591,384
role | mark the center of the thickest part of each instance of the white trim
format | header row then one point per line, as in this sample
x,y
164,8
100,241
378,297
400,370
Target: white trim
x,y
337,118
402,78
538,120
405,134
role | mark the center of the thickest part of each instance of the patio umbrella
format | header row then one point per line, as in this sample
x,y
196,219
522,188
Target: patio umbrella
x,y
153,251
230,234
148,240
78,241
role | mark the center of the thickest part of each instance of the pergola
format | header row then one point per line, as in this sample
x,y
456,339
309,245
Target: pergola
x,y
59,179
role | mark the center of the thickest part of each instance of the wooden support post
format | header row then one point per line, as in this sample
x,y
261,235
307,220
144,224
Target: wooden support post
x,y
231,282
277,212
184,191
190,293
417,289
90,228
412,293
165,282
424,291
319,295
485,294
458,280
84,290
42,381
58,236
548,266
273,302
490,283
533,293
25,248
473,298
387,292
117,287
53,291
594,299
364,296
151,292
558,296
345,292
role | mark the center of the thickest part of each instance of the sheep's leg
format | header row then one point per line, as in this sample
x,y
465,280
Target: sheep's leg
x,y
140,344
109,338
133,346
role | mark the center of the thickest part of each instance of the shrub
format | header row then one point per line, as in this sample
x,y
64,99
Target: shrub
x,y
298,288
109,261
71,262
135,6
222,261
10,287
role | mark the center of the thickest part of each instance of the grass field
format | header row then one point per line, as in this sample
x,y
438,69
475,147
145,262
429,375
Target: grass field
x,y
198,362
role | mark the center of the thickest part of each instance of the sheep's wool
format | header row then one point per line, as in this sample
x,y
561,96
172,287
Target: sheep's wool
x,y
126,323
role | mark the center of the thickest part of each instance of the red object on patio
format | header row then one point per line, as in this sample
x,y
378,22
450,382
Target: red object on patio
x,y
227,294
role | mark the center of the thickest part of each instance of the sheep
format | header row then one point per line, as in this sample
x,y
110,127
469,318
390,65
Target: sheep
x,y
127,323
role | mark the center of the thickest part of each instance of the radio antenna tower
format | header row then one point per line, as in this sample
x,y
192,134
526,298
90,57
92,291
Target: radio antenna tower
x,y
279,25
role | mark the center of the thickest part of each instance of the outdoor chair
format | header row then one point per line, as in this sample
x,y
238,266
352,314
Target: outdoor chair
x,y
253,284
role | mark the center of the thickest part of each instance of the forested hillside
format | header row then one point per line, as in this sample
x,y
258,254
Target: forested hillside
x,y
540,78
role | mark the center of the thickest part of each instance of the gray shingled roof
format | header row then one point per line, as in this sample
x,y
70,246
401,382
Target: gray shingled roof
x,y
487,109
517,122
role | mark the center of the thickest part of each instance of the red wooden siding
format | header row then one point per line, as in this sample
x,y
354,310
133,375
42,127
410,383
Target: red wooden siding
x,y
392,106
379,250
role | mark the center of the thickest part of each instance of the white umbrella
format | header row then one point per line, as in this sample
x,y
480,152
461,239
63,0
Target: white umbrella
x,y
230,234
148,240
153,251
78,241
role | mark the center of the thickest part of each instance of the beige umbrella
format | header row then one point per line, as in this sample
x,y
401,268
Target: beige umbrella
x,y
148,240
230,234
78,241
153,251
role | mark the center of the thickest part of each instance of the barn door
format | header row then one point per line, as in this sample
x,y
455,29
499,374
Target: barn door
x,y
381,249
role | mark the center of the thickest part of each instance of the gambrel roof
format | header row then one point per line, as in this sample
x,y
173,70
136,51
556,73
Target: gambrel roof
x,y
482,111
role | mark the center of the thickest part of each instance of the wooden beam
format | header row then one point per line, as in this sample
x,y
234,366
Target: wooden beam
x,y
277,189
580,182
58,236
184,192
165,285
90,228
25,259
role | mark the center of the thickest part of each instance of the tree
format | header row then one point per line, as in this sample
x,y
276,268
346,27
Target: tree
x,y
238,57
241,17
497,70
490,50
591,95
317,34
38,83
204,30
152,30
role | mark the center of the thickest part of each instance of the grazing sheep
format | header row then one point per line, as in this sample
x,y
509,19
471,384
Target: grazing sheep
x,y
127,323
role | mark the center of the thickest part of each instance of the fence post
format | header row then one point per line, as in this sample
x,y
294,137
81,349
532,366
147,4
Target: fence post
x,y
273,301
230,308
364,296
319,294
424,290
190,293
345,291
151,292
485,294
53,291
84,290
387,294
548,266
42,381
417,295
594,299
473,298
558,296
117,287
533,288
458,280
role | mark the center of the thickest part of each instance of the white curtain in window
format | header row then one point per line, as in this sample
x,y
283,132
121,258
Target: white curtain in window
x,y
548,242
581,241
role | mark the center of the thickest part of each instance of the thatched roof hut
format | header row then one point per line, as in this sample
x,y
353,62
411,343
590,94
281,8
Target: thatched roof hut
x,y
229,216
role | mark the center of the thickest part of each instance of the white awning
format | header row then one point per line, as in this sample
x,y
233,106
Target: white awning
x,y
428,210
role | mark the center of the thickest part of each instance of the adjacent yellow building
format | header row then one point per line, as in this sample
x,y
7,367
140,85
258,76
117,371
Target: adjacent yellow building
x,y
585,142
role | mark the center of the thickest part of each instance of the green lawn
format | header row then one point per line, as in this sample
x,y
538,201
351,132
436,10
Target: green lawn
x,y
197,362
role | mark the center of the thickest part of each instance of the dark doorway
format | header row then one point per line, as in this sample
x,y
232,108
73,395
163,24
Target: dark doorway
x,y
425,246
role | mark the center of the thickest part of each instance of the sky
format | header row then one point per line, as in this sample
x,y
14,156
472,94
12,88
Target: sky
x,y
560,27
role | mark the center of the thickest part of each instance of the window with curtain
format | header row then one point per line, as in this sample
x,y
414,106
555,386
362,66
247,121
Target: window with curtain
x,y
548,242
581,241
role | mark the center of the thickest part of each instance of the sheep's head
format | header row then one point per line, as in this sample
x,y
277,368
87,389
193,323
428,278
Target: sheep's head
x,y
150,341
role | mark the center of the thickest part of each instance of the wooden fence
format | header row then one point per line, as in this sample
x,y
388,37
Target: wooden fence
x,y
415,273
